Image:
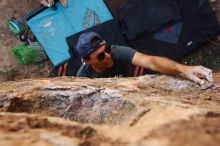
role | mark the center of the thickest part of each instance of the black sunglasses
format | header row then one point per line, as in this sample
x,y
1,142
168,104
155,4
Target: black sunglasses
x,y
101,56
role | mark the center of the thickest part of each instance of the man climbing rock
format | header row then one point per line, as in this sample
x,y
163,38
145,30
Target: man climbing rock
x,y
49,3
101,60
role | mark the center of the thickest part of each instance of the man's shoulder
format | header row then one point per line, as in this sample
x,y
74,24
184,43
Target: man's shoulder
x,y
120,47
122,53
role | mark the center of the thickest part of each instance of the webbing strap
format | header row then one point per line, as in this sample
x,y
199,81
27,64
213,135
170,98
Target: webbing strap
x,y
136,71
64,69
59,71
140,70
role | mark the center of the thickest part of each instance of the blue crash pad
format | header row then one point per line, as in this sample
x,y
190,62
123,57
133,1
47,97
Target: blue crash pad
x,y
52,27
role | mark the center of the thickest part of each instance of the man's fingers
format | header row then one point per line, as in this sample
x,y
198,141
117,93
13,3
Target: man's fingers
x,y
210,76
207,73
196,72
64,3
47,3
196,79
44,2
51,2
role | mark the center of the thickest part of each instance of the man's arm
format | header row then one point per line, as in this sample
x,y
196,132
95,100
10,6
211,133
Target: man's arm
x,y
169,67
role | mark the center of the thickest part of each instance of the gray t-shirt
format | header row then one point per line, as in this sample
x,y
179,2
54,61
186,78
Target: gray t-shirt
x,y
122,58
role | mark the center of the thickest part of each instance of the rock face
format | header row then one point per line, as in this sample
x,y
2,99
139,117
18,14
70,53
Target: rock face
x,y
85,104
146,111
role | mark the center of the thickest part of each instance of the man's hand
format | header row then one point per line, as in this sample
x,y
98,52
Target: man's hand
x,y
49,3
195,73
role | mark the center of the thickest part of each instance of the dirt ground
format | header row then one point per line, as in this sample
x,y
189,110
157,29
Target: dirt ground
x,y
10,69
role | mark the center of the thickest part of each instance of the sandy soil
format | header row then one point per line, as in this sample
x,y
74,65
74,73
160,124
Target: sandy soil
x,y
10,69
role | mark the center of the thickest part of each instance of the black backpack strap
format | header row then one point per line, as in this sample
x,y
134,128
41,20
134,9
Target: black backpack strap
x,y
59,70
138,71
65,69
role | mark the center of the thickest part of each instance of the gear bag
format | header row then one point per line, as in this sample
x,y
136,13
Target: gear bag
x,y
141,17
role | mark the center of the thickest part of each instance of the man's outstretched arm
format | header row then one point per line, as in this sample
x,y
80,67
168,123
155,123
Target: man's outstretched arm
x,y
166,66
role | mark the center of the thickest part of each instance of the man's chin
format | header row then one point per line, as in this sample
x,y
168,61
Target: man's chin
x,y
110,64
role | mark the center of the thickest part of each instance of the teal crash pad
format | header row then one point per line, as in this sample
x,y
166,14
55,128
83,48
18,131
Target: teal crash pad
x,y
52,27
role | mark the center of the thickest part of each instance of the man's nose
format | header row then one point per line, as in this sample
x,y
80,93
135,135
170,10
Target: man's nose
x,y
107,55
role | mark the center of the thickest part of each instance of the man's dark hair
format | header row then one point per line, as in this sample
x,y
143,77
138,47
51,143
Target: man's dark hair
x,y
86,57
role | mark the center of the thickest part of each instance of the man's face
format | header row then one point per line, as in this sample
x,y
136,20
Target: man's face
x,y
101,57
